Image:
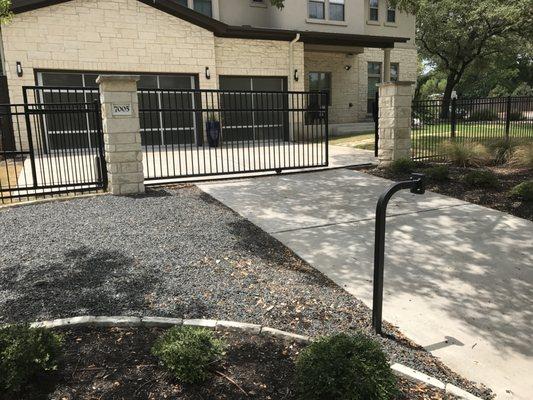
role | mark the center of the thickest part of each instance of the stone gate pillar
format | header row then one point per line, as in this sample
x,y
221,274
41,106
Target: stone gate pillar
x,y
395,100
122,134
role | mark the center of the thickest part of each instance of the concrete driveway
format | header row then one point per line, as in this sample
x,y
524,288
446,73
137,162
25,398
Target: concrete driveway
x,y
458,279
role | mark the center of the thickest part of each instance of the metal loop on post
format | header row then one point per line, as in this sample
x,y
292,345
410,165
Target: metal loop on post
x,y
417,186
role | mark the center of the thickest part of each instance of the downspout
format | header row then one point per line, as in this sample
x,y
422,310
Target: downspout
x,y
291,61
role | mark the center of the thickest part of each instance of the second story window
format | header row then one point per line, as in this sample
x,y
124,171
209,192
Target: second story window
x,y
336,10
391,14
374,10
203,6
316,9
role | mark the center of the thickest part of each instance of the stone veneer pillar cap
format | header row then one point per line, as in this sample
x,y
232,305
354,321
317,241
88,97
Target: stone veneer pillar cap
x,y
398,83
123,78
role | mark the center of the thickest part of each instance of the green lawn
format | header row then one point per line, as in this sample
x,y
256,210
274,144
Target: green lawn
x,y
361,140
428,138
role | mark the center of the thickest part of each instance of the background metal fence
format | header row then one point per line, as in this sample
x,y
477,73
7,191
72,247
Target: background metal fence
x,y
469,120
194,133
52,144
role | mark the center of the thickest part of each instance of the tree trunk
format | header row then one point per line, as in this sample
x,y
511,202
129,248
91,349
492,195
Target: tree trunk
x,y
446,100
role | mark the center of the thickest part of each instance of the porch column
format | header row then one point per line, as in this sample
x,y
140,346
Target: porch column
x,y
122,134
394,121
386,65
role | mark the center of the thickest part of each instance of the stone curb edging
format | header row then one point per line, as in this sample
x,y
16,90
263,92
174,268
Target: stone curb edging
x,y
255,329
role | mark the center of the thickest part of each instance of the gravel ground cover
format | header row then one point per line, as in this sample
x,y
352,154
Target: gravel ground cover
x,y
174,252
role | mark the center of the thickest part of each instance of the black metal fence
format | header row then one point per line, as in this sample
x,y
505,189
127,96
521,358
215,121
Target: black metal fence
x,y
51,144
194,133
469,120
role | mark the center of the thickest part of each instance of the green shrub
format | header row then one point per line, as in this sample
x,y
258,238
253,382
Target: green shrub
x,y
402,166
484,115
344,367
187,352
26,353
523,156
481,179
438,173
465,154
523,191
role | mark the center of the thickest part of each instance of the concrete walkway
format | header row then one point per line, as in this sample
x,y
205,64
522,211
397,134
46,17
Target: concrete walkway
x,y
458,279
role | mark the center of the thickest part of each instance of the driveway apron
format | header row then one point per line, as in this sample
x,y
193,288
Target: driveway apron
x,y
458,277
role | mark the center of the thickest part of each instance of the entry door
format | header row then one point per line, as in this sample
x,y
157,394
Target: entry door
x,y
259,105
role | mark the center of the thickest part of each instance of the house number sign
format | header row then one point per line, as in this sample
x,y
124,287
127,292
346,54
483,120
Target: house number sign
x,y
122,109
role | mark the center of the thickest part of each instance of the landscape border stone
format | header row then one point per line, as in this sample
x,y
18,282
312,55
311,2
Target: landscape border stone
x,y
164,322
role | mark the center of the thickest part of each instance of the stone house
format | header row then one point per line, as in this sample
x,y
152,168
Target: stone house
x,y
345,47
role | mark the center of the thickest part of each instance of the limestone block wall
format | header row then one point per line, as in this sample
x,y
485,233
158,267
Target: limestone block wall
x,y
104,36
395,99
344,84
258,58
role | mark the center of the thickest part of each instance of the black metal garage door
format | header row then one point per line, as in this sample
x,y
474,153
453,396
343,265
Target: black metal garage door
x,y
256,98
157,129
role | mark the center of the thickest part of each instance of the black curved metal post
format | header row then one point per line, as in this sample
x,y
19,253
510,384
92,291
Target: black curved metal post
x,y
417,186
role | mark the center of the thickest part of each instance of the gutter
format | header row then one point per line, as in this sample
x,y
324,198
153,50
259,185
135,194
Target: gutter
x,y
291,62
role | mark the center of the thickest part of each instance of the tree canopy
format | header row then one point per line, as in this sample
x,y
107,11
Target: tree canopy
x,y
5,14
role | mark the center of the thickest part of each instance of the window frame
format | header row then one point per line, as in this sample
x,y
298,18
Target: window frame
x,y
391,9
323,3
329,90
372,8
341,3
192,6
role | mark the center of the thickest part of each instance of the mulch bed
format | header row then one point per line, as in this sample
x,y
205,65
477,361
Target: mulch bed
x,y
113,363
496,198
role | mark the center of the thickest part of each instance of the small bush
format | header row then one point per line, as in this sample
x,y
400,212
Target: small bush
x,y
523,191
187,352
438,173
484,115
523,156
465,154
402,166
26,353
344,367
481,178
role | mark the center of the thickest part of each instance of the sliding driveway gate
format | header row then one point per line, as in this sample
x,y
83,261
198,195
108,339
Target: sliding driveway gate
x,y
51,144
195,133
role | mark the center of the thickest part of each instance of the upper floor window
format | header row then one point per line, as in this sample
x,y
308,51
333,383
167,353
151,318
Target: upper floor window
x,y
316,9
336,10
184,3
374,10
391,14
203,6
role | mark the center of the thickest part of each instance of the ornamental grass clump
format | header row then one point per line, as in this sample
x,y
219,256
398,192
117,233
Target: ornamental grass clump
x,y
26,353
523,156
188,352
344,367
465,154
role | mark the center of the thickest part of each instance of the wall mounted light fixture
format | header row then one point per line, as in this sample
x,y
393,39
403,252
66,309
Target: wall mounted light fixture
x,y
347,67
207,73
20,71
296,75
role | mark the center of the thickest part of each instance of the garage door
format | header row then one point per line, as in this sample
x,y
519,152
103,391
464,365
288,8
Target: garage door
x,y
260,109
157,128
